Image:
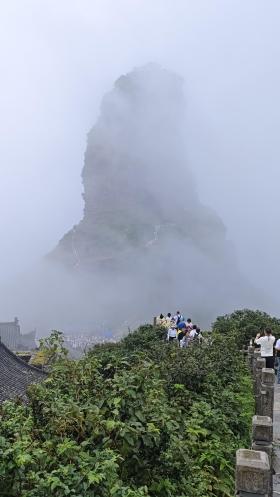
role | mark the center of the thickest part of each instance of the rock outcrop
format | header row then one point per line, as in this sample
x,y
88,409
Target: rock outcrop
x,y
144,228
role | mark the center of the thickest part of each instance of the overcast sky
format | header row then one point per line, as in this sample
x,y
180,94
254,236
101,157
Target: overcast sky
x,y
58,58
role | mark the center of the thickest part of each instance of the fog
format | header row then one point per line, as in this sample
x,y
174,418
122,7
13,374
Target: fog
x,y
58,60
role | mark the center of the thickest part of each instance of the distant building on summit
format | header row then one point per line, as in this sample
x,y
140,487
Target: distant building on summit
x,y
10,335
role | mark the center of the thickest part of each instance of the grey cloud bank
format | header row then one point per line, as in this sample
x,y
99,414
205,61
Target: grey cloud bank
x,y
58,61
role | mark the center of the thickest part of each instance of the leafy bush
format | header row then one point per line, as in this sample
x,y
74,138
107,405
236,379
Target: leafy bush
x,y
50,349
138,418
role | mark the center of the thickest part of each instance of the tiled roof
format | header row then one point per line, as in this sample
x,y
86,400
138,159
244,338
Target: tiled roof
x,y
16,375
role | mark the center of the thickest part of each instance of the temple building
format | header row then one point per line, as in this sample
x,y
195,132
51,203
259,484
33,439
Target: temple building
x,y
16,375
11,336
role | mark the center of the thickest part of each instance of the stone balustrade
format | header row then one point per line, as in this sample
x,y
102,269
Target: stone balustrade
x,y
267,392
259,365
253,477
254,466
252,473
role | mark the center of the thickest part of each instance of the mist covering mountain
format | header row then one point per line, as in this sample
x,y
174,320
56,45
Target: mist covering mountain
x,y
146,243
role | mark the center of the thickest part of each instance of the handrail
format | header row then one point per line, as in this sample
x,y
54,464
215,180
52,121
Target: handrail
x,y
254,469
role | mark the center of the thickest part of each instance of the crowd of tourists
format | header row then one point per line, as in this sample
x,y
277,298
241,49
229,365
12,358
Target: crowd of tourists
x,y
179,329
270,349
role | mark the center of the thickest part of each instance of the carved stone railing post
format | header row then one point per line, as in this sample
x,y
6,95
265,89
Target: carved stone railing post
x,y
262,434
262,437
267,392
252,477
244,352
250,357
257,353
259,365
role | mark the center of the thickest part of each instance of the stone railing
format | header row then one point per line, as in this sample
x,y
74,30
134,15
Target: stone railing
x,y
254,466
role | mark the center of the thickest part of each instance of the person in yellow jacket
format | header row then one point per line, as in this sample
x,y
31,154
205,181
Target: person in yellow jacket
x,y
160,320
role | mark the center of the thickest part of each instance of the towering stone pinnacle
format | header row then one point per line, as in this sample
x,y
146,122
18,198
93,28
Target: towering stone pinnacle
x,y
138,190
143,221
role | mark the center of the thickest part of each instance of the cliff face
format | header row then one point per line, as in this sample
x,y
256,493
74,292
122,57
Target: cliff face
x,y
138,190
143,221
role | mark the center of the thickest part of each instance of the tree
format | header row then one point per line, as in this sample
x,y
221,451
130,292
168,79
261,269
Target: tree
x,y
246,324
51,349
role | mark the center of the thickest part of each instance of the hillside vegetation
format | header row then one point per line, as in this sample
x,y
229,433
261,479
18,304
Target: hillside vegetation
x,y
133,419
245,324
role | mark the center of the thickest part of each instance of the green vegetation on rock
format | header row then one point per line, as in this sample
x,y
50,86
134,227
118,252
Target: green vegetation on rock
x,y
133,419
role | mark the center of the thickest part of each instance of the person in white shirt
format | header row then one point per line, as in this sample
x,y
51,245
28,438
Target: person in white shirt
x,y
277,349
172,333
185,340
266,342
193,332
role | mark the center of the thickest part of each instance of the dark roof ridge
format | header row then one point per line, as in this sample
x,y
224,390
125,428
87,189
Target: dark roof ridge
x,y
21,361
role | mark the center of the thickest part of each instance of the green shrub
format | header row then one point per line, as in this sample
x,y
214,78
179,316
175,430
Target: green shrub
x,y
134,419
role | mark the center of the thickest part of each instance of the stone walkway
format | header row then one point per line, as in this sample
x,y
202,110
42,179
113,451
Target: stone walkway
x,y
276,442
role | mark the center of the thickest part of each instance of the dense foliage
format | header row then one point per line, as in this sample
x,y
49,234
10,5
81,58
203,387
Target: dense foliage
x,y
245,324
50,350
133,419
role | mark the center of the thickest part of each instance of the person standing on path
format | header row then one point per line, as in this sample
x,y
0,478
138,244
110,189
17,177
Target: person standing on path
x,y
181,334
160,320
168,319
189,324
172,333
266,342
178,317
193,332
277,353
